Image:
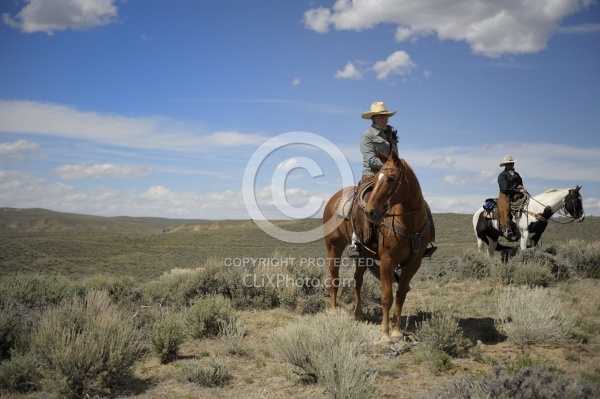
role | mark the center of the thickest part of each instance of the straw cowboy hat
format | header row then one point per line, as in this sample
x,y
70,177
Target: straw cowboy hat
x,y
507,159
377,108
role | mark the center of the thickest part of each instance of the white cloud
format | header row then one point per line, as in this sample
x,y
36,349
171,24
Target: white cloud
x,y
17,149
349,72
533,160
233,139
144,132
98,171
317,19
288,164
491,28
398,63
445,160
157,193
56,15
296,82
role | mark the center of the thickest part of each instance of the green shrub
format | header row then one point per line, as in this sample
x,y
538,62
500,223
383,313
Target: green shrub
x,y
214,374
37,291
232,336
533,274
527,383
122,290
166,336
83,339
441,332
472,265
15,324
583,258
204,316
251,287
169,290
330,349
20,374
555,268
529,315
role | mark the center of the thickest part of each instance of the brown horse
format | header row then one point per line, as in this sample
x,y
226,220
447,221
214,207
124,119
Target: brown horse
x,y
397,207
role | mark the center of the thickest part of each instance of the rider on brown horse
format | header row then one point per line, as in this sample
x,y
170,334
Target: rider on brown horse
x,y
382,138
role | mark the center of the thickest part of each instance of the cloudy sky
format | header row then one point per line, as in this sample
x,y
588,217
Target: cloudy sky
x,y
194,109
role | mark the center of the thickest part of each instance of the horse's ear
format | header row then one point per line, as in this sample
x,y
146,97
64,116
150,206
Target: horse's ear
x,y
397,159
382,157
578,188
395,156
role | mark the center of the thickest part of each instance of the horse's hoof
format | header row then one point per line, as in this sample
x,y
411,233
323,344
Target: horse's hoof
x,y
385,340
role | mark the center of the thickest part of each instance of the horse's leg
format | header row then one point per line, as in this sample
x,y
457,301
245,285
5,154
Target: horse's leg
x,y
524,240
406,276
359,273
334,257
480,244
523,226
386,273
491,247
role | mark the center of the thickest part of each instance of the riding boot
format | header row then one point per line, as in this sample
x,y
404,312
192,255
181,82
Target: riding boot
x,y
353,249
430,250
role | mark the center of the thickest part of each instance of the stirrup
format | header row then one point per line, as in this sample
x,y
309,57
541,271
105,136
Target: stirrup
x,y
354,251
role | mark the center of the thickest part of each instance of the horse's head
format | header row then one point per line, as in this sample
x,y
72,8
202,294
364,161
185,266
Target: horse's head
x,y
391,186
574,204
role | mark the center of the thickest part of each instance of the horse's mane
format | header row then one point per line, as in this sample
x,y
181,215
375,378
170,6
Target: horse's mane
x,y
550,192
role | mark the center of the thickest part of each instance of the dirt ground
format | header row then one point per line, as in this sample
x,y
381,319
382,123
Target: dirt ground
x,y
259,373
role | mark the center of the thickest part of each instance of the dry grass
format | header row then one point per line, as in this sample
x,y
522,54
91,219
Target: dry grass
x,y
245,358
528,315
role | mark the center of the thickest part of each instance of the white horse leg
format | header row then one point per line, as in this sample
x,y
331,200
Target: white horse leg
x,y
480,244
491,247
524,239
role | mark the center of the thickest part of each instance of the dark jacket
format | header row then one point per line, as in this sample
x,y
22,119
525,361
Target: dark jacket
x,y
508,182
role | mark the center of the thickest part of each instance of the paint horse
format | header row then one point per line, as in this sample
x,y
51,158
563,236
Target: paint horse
x,y
397,207
533,218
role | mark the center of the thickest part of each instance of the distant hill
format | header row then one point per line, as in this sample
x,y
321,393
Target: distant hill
x,y
36,220
450,227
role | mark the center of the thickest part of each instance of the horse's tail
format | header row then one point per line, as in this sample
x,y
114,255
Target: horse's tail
x,y
500,247
374,269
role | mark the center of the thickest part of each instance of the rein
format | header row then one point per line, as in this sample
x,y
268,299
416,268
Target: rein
x,y
398,184
562,211
415,237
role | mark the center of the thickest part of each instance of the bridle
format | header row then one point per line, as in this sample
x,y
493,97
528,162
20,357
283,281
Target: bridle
x,y
388,205
562,211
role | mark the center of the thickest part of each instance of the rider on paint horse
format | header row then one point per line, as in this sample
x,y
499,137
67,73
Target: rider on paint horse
x,y
383,138
511,189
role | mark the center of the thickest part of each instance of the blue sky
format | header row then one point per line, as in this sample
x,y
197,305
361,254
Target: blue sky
x,y
155,108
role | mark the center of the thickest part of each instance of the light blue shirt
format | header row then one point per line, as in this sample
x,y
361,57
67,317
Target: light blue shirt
x,y
372,140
